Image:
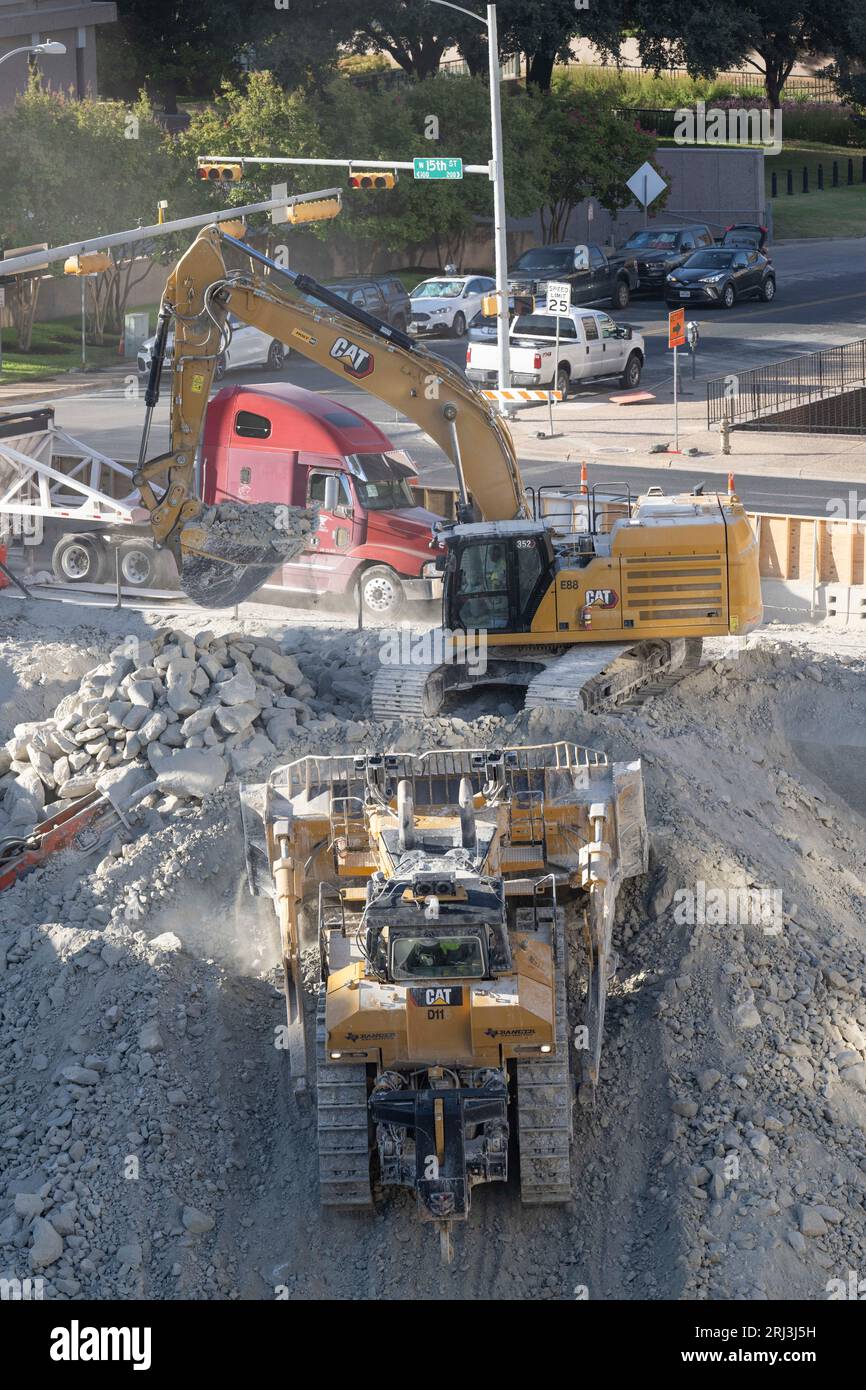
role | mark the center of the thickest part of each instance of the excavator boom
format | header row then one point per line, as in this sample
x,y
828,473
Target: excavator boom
x,y
225,557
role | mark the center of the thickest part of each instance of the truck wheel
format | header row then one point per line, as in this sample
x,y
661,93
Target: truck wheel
x,y
621,295
631,375
563,381
276,356
458,327
381,592
78,560
140,565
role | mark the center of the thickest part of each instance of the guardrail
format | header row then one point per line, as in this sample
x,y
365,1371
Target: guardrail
x,y
812,549
789,388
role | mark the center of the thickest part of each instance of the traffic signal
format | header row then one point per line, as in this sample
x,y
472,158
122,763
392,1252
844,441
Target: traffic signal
x,y
220,173
316,210
375,178
89,263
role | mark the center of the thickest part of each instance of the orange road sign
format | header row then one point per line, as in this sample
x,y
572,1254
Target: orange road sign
x,y
677,328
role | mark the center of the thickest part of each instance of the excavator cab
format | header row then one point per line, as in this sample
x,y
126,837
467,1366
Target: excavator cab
x,y
496,576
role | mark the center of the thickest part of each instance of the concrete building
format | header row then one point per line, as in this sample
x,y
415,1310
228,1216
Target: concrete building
x,y
71,22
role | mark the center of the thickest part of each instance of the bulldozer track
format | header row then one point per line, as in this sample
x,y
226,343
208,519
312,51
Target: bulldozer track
x,y
343,1126
401,690
545,1105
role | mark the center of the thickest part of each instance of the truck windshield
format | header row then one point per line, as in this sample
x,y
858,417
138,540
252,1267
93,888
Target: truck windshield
x,y
646,240
542,258
432,957
383,482
538,326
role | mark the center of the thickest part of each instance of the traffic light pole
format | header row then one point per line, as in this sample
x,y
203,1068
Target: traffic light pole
x,y
35,260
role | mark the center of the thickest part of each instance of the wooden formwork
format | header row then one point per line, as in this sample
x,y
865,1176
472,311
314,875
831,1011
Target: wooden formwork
x,y
812,549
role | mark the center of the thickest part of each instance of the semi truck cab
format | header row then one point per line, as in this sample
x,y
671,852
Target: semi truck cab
x,y
281,443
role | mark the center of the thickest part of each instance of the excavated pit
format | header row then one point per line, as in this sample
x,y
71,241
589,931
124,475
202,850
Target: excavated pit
x,y
722,1157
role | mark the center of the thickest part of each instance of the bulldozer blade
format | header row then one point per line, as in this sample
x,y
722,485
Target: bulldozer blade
x,y
296,1037
259,877
231,550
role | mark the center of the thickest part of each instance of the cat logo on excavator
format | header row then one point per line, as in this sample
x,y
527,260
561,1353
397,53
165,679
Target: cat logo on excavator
x,y
356,360
602,598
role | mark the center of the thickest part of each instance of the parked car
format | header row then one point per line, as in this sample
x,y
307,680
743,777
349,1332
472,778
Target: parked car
x,y
446,303
591,345
594,277
744,235
483,327
659,250
249,347
722,276
382,295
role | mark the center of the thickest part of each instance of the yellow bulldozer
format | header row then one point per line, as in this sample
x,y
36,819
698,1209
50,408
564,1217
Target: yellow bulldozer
x,y
446,896
584,598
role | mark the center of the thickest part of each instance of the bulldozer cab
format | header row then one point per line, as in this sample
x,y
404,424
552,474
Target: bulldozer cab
x,y
496,576
414,956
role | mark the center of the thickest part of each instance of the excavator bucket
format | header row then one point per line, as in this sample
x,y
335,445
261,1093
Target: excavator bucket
x,y
230,550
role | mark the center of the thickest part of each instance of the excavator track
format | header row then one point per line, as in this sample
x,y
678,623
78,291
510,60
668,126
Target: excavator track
x,y
613,675
603,676
343,1126
402,690
545,1104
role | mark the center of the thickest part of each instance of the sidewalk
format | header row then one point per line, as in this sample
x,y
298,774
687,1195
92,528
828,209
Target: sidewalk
x,y
625,435
18,393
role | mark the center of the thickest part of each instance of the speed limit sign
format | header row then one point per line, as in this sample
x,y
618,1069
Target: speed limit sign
x,y
558,297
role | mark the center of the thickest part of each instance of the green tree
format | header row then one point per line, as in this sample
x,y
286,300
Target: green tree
x,y
171,48
596,151
769,36
344,121
81,169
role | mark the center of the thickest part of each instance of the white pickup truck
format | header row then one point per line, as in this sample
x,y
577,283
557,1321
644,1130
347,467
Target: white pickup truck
x,y
591,345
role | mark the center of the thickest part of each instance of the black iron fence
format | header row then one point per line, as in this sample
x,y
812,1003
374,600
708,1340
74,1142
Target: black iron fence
x,y
514,69
820,392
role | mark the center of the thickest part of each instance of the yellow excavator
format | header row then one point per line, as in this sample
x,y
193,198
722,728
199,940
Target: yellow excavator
x,y
585,597
452,893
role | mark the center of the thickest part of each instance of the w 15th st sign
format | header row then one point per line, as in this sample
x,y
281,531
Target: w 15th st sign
x,y
440,168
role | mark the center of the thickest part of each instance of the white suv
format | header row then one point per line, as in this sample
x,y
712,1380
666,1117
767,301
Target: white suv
x,y
249,347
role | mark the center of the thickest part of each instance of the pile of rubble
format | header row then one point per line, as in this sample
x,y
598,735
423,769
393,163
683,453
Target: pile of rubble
x,y
177,713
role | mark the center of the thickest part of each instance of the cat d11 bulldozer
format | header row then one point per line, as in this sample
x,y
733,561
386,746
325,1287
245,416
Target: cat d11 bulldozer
x,y
451,893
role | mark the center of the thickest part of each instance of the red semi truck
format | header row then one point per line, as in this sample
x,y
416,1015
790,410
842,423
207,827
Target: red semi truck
x,y
281,443
276,443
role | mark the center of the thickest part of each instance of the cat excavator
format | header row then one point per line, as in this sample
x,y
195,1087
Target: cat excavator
x,y
586,597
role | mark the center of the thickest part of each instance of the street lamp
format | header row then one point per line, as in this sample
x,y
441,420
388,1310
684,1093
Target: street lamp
x,y
499,241
51,46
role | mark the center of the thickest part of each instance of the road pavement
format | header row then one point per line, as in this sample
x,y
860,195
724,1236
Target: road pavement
x,y
821,301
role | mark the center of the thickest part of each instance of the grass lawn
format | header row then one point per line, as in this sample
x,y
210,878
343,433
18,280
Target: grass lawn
x,y
55,348
837,212
809,156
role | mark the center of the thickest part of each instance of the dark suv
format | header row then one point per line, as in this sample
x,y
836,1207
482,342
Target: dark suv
x,y
659,250
382,295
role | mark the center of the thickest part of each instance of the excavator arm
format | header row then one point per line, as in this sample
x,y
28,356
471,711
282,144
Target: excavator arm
x,y
199,296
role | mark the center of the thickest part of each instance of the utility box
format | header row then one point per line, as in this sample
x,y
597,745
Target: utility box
x,y
136,330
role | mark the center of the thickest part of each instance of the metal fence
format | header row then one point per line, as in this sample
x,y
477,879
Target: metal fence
x,y
514,69
821,392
